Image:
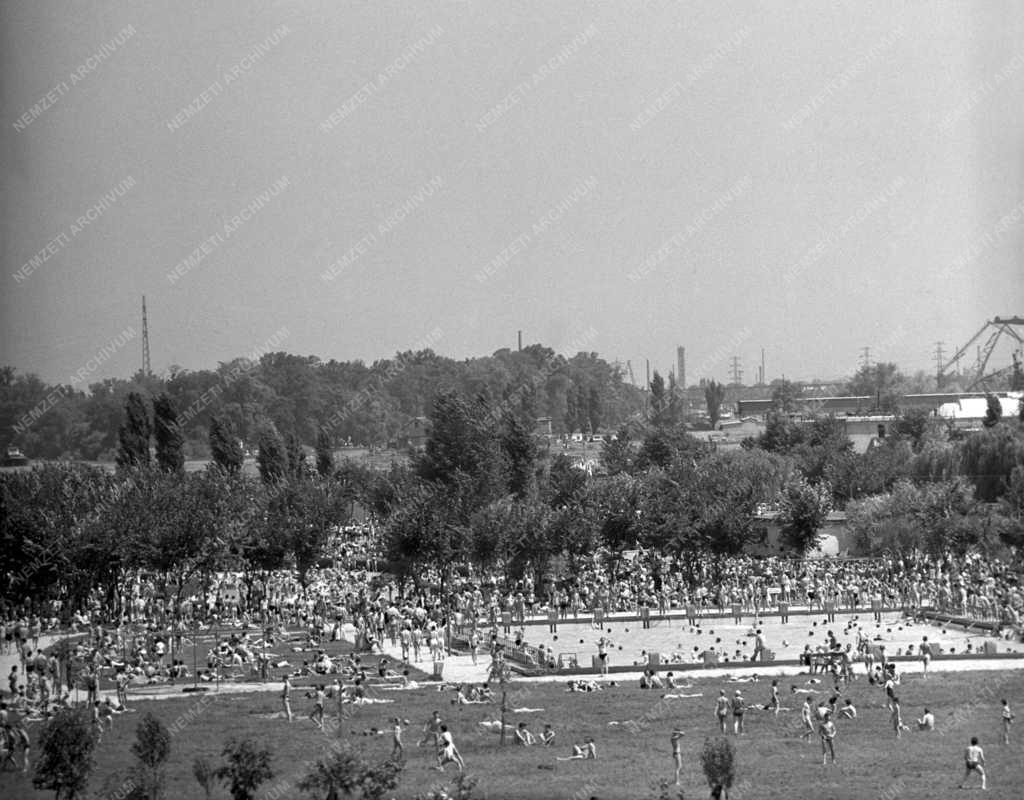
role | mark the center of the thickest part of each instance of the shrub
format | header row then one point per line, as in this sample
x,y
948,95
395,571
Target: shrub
x,y
347,773
152,748
65,761
461,789
246,769
717,759
205,774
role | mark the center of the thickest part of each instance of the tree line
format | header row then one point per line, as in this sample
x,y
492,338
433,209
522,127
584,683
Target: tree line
x,y
486,493
358,403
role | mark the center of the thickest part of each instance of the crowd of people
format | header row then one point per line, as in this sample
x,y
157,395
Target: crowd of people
x,y
483,612
246,625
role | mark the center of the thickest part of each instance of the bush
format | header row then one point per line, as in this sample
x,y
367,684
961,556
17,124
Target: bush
x,y
152,747
462,789
347,773
204,774
717,759
65,761
246,769
666,790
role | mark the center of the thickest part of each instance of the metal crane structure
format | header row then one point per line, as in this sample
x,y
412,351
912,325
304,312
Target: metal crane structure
x,y
996,328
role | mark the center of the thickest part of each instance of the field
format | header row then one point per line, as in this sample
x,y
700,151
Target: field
x,y
772,761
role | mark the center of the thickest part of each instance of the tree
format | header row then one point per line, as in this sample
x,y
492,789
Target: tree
x,y
246,768
582,415
662,406
324,454
520,452
803,509
272,460
152,747
170,443
781,434
617,453
855,475
224,446
824,442
1012,509
595,409
664,446
296,456
66,746
718,760
714,394
912,425
988,458
565,481
880,381
462,450
785,396
346,773
134,433
993,411
571,418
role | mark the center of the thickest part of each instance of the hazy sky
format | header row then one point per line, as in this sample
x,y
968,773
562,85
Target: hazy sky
x,y
723,176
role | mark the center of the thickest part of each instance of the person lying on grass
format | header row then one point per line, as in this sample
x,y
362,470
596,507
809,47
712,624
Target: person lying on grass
x,y
581,751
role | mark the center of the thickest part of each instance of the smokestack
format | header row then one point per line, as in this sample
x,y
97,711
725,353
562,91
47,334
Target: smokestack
x,y
762,366
648,384
681,367
520,341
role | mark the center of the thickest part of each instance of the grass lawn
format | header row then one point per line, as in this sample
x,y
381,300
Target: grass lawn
x,y
772,761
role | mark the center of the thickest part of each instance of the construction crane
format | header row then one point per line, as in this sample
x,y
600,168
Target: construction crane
x,y
997,328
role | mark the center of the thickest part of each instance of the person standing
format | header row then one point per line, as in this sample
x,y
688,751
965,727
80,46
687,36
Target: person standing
x,y
739,707
827,731
897,717
474,645
807,718
677,752
774,703
286,697
602,654
1007,717
397,751
974,761
122,679
722,709
926,656
405,637
759,648
317,714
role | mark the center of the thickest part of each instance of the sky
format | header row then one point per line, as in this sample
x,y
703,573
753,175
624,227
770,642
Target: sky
x,y
807,178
